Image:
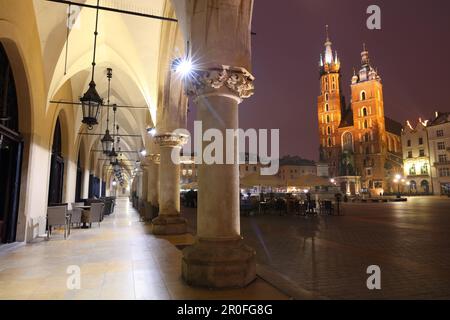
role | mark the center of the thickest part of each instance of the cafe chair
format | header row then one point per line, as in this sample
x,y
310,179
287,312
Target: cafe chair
x,y
57,216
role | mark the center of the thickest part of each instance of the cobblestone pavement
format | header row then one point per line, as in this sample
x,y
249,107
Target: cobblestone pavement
x,y
330,255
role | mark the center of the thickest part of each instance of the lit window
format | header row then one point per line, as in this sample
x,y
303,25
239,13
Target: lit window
x,y
424,169
412,170
364,112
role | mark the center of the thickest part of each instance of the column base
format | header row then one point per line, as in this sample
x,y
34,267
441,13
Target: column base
x,y
165,225
220,265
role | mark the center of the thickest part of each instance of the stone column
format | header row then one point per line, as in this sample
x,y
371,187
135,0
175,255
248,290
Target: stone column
x,y
219,34
85,184
219,258
153,161
169,221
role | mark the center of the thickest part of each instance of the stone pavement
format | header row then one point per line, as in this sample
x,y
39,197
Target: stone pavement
x,y
119,260
329,256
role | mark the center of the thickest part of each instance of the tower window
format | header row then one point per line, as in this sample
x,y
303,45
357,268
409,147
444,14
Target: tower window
x,y
326,97
327,107
408,143
363,95
329,130
330,142
366,125
364,112
328,119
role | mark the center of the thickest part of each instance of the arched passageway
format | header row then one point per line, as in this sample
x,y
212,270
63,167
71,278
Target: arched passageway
x,y
55,192
11,147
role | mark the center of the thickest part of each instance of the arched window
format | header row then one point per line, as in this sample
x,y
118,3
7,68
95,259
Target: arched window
x,y
347,142
327,107
329,130
328,119
363,95
326,96
364,112
366,125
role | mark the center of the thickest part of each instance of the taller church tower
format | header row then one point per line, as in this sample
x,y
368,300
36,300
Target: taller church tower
x,y
330,104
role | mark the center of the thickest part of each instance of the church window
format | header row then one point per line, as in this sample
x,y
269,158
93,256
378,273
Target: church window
x,y
327,107
364,112
347,142
363,95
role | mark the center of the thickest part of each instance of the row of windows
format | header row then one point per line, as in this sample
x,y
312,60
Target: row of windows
x,y
409,143
423,170
441,145
421,153
442,158
444,172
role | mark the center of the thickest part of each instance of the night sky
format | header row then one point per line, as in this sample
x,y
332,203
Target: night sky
x,y
411,52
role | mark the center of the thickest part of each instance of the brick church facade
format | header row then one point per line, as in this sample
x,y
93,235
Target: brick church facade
x,y
361,145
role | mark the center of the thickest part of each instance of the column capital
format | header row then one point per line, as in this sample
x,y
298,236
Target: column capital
x,y
236,81
171,139
152,158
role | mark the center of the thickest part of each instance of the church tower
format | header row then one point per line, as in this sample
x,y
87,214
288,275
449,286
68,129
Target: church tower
x,y
330,106
369,123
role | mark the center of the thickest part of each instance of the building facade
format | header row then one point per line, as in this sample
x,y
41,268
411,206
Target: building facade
x,y
361,145
416,159
439,144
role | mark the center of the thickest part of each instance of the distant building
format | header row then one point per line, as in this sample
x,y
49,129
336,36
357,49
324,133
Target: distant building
x,y
439,143
361,145
323,170
416,158
296,167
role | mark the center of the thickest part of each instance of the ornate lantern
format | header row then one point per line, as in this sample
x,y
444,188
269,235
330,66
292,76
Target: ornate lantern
x,y
91,101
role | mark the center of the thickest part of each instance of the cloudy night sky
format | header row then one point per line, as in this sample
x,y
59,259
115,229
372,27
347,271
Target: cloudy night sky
x,y
411,52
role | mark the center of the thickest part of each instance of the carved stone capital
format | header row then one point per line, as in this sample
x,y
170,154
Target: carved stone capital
x,y
171,140
153,158
236,80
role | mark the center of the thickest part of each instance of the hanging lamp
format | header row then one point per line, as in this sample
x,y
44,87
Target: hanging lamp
x,y
108,140
91,101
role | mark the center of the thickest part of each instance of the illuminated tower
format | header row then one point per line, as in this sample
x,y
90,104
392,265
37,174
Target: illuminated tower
x,y
329,107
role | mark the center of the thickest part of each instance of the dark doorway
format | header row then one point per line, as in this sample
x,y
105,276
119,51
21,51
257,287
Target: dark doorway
x,y
79,181
55,192
11,146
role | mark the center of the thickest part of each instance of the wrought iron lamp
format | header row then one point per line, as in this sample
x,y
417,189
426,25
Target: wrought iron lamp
x,y
108,140
91,101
